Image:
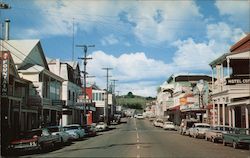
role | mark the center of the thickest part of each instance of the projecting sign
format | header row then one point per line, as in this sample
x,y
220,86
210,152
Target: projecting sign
x,y
5,74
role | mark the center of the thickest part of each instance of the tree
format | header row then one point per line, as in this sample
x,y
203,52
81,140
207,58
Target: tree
x,y
130,95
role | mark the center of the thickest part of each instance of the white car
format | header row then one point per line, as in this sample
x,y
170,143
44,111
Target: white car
x,y
58,130
158,123
199,130
101,126
140,116
75,131
169,126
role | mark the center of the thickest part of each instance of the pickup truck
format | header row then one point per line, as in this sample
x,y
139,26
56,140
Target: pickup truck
x,y
36,139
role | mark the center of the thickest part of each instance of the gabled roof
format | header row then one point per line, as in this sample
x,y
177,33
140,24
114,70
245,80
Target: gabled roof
x,y
242,45
188,77
26,52
73,64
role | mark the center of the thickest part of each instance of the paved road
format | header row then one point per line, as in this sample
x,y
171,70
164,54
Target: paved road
x,y
138,138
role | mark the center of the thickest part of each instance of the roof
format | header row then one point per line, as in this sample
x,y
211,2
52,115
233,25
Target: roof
x,y
73,64
26,51
189,77
31,69
242,45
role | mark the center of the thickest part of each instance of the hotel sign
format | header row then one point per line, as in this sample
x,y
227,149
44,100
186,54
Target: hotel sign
x,y
233,81
5,74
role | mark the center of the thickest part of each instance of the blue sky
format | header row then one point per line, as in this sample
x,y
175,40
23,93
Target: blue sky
x,y
143,41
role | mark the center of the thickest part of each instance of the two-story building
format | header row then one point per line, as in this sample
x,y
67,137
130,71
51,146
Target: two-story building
x,y
231,90
46,92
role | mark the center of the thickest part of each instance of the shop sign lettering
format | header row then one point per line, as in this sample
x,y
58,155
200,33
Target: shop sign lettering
x,y
233,81
5,74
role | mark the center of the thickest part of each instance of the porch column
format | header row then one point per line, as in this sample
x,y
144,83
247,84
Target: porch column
x,y
218,114
230,116
228,67
223,113
247,120
213,113
233,116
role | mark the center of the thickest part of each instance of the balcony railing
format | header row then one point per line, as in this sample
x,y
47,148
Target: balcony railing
x,y
38,101
58,102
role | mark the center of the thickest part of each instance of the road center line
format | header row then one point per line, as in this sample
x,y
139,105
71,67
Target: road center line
x,y
138,156
138,146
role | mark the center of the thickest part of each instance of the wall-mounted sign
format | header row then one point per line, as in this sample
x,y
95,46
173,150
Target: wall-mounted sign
x,y
233,81
5,74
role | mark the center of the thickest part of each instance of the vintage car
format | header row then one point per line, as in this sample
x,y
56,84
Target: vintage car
x,y
237,137
214,134
101,126
198,130
186,124
90,130
158,122
34,139
58,130
169,126
75,131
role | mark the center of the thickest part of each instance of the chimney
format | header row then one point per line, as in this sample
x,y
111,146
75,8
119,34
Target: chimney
x,y
7,29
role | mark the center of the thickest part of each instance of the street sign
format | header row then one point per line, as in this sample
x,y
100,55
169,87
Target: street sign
x,y
5,74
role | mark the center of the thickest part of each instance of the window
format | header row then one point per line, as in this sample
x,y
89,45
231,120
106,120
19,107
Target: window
x,y
69,95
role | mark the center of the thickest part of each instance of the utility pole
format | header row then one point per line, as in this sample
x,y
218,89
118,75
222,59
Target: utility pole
x,y
85,48
113,91
107,94
3,133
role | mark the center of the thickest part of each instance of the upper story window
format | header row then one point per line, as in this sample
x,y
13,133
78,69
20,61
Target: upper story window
x,y
69,95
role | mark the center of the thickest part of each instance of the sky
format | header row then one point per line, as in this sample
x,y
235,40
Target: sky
x,y
144,41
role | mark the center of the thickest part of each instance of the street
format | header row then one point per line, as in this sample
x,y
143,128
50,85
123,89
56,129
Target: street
x,y
138,138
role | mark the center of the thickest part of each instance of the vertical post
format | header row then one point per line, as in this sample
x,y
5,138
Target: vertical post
x,y
85,48
106,101
112,105
213,113
230,116
247,118
218,114
223,113
228,67
233,114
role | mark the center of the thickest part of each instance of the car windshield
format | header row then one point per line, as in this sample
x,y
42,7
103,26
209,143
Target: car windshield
x,y
29,134
71,128
54,129
202,126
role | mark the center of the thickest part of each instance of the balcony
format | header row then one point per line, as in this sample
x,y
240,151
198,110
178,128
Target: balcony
x,y
58,102
38,101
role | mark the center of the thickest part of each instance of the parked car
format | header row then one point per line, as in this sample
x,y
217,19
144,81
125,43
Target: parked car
x,y
75,131
140,116
158,122
214,134
185,125
169,126
101,126
90,130
58,130
33,140
198,130
237,137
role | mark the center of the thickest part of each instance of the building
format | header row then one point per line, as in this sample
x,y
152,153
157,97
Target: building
x,y
231,90
46,90
184,100
71,90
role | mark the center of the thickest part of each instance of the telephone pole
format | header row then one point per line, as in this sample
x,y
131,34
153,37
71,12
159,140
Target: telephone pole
x,y
106,101
85,58
113,91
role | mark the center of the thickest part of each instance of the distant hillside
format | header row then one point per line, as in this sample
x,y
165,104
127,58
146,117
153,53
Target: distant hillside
x,y
133,101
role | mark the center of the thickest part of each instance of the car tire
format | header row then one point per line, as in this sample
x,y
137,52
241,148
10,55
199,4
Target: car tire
x,y
235,145
213,140
224,143
206,138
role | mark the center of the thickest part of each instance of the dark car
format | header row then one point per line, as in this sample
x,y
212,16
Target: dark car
x,y
237,137
90,130
33,139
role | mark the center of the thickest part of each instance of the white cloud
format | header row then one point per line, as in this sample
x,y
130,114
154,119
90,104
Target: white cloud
x,y
109,40
134,71
238,10
223,32
191,55
153,22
